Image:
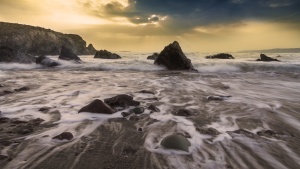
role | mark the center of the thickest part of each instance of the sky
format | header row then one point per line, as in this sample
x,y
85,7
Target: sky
x,y
149,25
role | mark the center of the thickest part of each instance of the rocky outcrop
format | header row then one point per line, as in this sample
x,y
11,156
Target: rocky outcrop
x,y
173,58
220,56
45,61
153,57
67,54
11,55
104,54
39,41
265,58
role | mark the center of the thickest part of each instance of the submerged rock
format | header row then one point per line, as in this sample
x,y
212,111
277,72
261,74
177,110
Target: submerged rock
x,y
104,54
45,61
176,142
218,98
265,58
67,54
64,136
121,101
146,92
173,58
242,132
183,112
126,114
137,110
97,106
22,89
153,57
153,108
208,131
220,56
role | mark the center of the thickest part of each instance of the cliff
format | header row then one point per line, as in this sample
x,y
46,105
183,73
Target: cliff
x,y
40,41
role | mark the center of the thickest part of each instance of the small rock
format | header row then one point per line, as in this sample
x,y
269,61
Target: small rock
x,y
146,92
137,110
4,119
44,109
152,99
208,131
176,142
97,106
125,114
184,112
218,98
140,129
220,56
134,118
36,122
22,89
265,58
64,136
122,101
242,132
24,129
153,108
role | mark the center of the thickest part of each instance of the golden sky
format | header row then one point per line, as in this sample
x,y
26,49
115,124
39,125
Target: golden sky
x,y
149,25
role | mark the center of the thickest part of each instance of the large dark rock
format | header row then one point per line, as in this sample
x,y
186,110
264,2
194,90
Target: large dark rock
x,y
173,58
64,136
265,58
104,54
67,54
220,56
176,142
153,57
97,106
121,101
11,55
39,41
45,61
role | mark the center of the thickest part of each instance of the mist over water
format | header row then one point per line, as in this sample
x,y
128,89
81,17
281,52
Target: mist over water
x,y
265,96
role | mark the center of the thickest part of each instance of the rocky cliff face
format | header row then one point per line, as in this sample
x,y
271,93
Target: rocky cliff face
x,y
39,41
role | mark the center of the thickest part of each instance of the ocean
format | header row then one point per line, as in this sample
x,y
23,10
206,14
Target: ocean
x,y
264,96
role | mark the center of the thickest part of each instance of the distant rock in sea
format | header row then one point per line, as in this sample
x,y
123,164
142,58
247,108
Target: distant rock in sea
x,y
153,57
173,58
265,58
104,54
11,55
220,56
45,61
35,41
67,54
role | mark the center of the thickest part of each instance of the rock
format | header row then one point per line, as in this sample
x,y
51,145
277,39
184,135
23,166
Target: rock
x,y
134,118
242,132
22,89
2,85
8,54
176,142
274,134
91,49
218,98
173,58
153,57
45,61
265,58
44,109
64,136
36,122
4,119
137,110
208,131
220,56
153,108
5,92
104,54
3,157
97,106
67,54
39,41
183,112
24,129
125,114
121,101
146,92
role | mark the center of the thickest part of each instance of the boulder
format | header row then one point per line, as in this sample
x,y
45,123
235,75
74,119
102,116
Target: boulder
x,y
97,106
104,54
153,57
220,56
64,136
45,61
265,58
176,142
67,54
173,58
137,110
10,55
183,112
121,101
153,108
